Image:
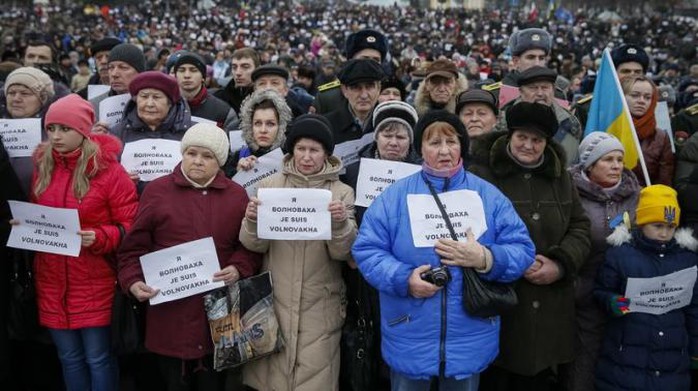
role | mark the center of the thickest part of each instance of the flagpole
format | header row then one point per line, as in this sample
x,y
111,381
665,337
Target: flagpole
x,y
626,113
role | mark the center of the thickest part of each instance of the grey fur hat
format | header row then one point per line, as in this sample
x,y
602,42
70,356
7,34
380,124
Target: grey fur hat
x,y
527,39
247,110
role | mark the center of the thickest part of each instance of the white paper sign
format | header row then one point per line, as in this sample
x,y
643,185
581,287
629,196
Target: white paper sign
x,y
661,114
659,295
111,110
348,151
377,175
266,166
45,229
294,214
464,208
95,90
181,271
20,136
200,120
151,158
236,141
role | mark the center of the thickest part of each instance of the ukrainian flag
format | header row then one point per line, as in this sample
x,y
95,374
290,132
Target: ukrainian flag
x,y
609,112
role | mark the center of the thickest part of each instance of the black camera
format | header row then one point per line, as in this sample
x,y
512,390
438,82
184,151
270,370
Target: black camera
x,y
439,276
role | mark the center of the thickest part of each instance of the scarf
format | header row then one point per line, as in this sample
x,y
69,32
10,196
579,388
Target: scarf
x,y
199,98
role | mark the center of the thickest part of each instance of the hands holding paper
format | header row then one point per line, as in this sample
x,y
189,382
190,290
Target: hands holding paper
x,y
251,211
337,211
544,271
228,275
246,163
464,254
142,292
87,238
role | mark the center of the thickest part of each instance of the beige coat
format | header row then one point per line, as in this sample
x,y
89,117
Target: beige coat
x,y
309,293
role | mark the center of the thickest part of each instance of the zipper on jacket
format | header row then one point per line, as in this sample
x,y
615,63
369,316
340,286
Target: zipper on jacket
x,y
442,342
65,258
405,318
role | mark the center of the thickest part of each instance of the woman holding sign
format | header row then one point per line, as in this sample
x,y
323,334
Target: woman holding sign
x,y
651,340
78,170
196,201
264,116
309,294
403,243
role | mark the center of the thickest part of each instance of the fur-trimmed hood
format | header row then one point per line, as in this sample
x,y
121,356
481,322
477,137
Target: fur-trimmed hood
x,y
422,101
247,110
683,237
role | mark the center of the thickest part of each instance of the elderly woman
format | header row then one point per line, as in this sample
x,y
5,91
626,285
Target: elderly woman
x,y
426,332
309,294
528,166
195,201
641,95
478,111
79,170
607,191
264,117
28,94
156,110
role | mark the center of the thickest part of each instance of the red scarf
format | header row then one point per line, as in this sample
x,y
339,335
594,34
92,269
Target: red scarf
x,y
199,98
646,125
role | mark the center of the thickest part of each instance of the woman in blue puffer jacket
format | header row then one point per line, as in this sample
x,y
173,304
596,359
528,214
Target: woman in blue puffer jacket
x,y
426,334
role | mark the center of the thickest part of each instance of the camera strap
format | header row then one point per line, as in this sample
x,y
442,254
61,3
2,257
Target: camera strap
x,y
442,209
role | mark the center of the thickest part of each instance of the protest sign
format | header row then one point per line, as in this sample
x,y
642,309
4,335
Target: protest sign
x,y
294,214
348,151
377,175
236,140
20,136
464,209
659,295
151,158
181,271
95,90
266,166
200,120
661,114
45,229
111,110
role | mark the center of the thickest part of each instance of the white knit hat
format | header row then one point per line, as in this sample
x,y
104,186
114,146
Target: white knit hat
x,y
595,145
207,136
34,79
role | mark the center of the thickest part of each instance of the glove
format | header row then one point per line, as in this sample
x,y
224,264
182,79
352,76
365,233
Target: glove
x,y
619,305
694,362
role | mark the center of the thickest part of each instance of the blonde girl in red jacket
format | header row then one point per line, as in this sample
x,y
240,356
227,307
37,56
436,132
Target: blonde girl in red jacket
x,y
75,169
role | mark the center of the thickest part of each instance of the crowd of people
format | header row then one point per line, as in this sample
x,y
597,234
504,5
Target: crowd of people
x,y
511,183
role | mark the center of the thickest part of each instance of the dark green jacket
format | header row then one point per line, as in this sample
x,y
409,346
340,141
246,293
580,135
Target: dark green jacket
x,y
540,331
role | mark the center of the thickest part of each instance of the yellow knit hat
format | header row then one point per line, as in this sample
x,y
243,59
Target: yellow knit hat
x,y
658,204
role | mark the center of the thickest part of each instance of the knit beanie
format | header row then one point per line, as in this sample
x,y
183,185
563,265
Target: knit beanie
x,y
34,79
532,117
207,136
71,111
433,116
312,126
130,54
595,145
192,59
394,110
157,80
658,204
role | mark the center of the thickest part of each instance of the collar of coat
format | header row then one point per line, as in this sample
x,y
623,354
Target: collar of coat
x,y
491,150
683,238
329,173
423,103
220,181
629,186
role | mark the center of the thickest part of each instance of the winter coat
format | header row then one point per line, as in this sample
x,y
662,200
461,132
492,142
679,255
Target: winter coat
x,y
309,294
213,109
602,207
659,159
344,126
540,331
412,340
423,103
233,95
77,292
686,181
644,351
172,212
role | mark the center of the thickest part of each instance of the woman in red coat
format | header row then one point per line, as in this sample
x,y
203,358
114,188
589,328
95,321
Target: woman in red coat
x,y
78,170
195,201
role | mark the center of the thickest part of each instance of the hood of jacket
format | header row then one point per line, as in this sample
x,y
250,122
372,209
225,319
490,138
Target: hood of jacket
x,y
423,102
283,111
330,172
592,191
683,238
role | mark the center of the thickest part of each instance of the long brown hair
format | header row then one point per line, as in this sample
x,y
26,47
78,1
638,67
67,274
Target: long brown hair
x,y
86,168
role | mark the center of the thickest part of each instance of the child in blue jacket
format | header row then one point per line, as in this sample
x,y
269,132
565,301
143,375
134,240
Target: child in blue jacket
x,y
653,345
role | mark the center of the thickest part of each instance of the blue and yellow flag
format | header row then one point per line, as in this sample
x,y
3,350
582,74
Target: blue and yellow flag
x,y
609,113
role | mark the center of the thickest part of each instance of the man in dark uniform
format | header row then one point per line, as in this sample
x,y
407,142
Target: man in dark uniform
x,y
629,60
360,87
685,122
275,77
365,44
100,52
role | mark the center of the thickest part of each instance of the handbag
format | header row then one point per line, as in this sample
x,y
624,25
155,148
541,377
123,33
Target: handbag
x,y
23,312
127,315
481,298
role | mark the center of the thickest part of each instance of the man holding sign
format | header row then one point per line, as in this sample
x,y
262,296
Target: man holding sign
x,y
647,285
195,202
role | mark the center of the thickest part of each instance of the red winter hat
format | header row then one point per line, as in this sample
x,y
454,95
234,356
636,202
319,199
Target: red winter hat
x,y
71,111
157,80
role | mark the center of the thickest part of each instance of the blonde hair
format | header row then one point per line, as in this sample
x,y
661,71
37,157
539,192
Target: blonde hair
x,y
628,83
86,168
